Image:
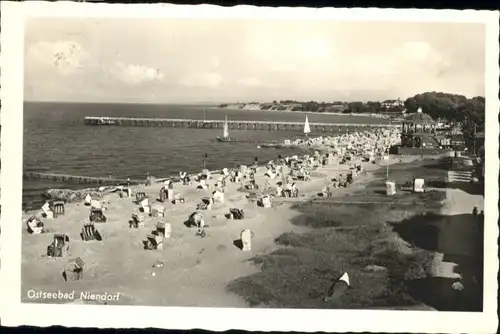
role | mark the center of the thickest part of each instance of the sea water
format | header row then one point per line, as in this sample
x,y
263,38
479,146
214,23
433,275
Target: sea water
x,y
57,141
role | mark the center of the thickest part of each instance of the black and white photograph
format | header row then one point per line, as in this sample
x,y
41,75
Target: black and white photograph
x,y
251,162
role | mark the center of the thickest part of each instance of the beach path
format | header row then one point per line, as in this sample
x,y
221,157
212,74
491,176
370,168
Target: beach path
x,y
459,251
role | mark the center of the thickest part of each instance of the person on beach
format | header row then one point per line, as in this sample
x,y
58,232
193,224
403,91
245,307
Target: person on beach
x,y
294,192
201,228
279,189
480,222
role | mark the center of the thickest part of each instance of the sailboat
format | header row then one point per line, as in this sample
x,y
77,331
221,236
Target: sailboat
x,y
225,136
307,128
287,143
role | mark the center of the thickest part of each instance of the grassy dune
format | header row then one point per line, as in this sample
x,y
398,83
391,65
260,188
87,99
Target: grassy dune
x,y
357,238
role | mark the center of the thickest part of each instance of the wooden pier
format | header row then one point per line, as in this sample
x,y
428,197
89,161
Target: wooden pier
x,y
79,179
219,124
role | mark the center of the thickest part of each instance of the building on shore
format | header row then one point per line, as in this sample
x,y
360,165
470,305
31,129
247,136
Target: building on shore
x,y
251,106
478,147
418,131
235,106
390,104
338,108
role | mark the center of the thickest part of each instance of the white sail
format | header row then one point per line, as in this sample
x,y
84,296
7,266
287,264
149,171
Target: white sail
x,y
226,129
307,129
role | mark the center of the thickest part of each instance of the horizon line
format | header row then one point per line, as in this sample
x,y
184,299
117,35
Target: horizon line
x,y
237,102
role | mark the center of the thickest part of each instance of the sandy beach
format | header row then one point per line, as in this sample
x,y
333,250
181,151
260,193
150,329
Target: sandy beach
x,y
195,270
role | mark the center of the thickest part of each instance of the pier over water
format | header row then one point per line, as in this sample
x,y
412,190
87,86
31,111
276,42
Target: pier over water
x,y
219,124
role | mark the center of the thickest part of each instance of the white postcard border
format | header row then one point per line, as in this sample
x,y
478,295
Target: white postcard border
x,y
14,313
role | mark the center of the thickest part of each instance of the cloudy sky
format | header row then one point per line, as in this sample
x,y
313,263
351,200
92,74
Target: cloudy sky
x,y
202,60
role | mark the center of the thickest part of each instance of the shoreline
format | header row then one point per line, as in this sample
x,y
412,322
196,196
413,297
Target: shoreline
x,y
306,112
70,195
74,194
68,190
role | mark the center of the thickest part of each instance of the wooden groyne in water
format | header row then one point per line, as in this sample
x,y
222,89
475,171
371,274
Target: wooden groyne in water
x,y
219,124
78,178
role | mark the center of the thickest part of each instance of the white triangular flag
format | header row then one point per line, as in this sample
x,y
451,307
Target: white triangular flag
x,y
338,288
345,278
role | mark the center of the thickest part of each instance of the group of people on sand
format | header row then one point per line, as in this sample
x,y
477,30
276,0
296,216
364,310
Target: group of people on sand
x,y
348,149
378,136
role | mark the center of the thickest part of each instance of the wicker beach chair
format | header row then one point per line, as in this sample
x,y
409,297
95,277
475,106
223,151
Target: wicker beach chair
x,y
59,246
34,226
237,214
158,211
163,195
74,269
163,230
58,208
137,221
206,204
89,232
246,240
97,215
153,242
157,242
139,196
419,185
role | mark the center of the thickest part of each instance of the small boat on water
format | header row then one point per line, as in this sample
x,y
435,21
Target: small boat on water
x,y
287,143
270,145
225,136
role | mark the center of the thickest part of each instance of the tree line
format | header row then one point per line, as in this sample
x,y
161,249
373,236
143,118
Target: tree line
x,y
372,107
454,108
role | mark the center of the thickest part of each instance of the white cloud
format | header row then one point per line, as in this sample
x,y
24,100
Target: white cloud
x,y
414,59
215,62
66,57
417,51
363,66
314,49
202,80
423,54
136,74
282,67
